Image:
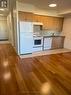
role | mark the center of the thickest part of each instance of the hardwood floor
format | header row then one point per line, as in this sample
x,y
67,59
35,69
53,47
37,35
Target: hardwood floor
x,y
45,75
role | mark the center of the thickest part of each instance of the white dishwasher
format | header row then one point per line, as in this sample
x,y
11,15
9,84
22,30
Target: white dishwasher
x,y
47,43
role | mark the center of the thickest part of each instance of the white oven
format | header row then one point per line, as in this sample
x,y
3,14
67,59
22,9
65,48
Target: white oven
x,y
38,41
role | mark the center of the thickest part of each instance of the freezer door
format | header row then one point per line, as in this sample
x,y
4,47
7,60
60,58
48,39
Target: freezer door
x,y
26,43
26,26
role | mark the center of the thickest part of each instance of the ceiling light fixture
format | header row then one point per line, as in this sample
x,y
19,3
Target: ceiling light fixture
x,y
52,5
1,9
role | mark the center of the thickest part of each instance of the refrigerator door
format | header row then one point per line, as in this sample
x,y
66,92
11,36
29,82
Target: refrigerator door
x,y
26,26
26,43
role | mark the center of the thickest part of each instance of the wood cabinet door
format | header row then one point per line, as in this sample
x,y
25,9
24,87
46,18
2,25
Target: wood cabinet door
x,y
57,42
60,24
25,16
38,18
44,21
35,18
57,24
52,23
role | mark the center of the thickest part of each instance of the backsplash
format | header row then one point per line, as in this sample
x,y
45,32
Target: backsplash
x,y
49,33
39,31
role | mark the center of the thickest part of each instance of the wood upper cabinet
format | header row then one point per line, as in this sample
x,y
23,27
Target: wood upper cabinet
x,y
45,21
57,23
53,23
60,23
50,23
37,18
25,16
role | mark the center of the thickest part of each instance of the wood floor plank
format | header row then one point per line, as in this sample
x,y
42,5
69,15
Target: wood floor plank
x,y
42,75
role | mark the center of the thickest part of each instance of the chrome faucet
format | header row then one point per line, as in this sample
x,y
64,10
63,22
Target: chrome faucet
x,y
52,34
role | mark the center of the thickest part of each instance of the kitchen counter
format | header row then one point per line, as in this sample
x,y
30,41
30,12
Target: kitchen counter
x,y
52,36
44,36
50,42
53,42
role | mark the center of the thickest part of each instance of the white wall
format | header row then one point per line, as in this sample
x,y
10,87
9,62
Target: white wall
x,y
16,28
67,32
10,28
3,28
12,21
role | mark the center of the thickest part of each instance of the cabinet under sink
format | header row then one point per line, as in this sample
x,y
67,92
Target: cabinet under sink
x,y
53,42
47,43
58,42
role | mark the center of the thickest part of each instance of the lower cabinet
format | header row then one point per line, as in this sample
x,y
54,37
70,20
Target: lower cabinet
x,y
58,42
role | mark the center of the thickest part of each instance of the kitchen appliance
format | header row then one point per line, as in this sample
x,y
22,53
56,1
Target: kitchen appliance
x,y
38,43
26,37
47,43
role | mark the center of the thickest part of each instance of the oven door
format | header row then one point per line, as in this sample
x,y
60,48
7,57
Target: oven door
x,y
38,42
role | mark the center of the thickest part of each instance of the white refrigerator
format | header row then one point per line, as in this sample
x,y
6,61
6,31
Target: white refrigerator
x,y
26,37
